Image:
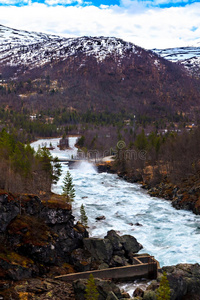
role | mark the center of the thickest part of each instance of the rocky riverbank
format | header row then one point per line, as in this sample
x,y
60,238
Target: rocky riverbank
x,y
185,195
184,282
39,240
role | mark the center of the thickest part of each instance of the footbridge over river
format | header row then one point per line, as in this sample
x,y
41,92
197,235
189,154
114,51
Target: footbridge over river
x,y
144,266
76,160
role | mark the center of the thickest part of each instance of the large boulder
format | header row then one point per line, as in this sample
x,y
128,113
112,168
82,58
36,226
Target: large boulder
x,y
115,240
184,281
130,244
100,249
113,250
126,243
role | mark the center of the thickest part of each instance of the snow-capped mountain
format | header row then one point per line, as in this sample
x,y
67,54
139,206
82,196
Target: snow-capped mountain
x,y
91,73
18,47
187,56
24,49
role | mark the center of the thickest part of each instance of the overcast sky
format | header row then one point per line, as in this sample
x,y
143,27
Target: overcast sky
x,y
147,23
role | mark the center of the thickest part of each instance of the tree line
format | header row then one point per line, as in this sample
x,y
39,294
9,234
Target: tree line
x,y
156,156
22,170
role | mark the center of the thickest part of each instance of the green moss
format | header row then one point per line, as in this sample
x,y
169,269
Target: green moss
x,y
56,201
32,230
14,258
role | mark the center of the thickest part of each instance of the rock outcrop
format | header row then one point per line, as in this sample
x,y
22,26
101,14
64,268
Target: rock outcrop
x,y
186,196
39,239
184,282
111,251
38,289
36,235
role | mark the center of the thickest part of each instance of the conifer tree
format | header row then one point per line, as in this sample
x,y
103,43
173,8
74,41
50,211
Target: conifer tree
x,y
163,292
68,188
84,218
91,289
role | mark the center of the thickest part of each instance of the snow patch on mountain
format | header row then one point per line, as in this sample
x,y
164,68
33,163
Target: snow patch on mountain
x,y
23,48
187,56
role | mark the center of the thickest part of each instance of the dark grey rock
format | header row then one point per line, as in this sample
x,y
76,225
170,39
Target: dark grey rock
x,y
104,287
113,250
184,282
100,249
9,209
184,279
55,216
17,272
118,261
81,260
52,245
130,244
100,218
103,266
115,240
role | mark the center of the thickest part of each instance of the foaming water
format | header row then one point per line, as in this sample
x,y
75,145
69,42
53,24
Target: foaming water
x,y
172,236
85,167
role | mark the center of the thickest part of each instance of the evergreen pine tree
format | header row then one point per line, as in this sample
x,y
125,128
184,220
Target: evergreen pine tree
x,y
68,188
91,289
163,292
84,218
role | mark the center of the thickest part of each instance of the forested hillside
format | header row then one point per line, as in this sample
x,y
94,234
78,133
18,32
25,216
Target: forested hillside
x,y
41,73
24,171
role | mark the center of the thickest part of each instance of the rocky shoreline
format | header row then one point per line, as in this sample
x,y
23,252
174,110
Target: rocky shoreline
x,y
186,195
39,241
184,282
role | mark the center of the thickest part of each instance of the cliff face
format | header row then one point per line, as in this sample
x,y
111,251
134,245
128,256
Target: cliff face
x,y
39,240
36,236
40,237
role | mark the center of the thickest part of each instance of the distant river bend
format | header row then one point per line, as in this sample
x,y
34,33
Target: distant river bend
x,y
172,236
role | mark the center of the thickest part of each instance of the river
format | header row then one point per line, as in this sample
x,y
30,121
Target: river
x,y
171,236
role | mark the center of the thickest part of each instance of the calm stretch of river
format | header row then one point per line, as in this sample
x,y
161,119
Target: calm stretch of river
x,y
172,236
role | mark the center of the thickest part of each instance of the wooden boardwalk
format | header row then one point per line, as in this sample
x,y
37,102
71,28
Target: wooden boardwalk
x,y
145,266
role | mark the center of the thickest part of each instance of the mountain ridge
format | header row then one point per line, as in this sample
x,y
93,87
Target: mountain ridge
x,y
92,73
189,57
35,49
